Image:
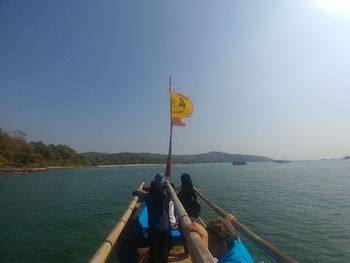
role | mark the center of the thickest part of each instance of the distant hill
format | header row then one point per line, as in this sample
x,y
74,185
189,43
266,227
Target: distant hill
x,y
96,158
220,157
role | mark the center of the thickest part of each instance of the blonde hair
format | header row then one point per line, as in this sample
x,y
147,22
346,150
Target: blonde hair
x,y
222,230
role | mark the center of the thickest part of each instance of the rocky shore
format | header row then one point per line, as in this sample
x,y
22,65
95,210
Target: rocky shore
x,y
15,169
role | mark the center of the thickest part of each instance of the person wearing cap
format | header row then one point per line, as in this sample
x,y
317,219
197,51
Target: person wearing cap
x,y
159,177
222,241
157,202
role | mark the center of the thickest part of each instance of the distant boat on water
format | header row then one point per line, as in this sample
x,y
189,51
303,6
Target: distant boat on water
x,y
282,161
239,162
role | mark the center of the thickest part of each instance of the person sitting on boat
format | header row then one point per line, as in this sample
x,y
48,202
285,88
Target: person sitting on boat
x,y
188,197
157,202
222,241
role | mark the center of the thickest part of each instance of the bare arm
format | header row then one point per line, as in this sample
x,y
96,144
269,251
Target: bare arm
x,y
140,194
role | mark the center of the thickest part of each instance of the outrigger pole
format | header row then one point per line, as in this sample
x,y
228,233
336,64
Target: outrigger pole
x,y
199,252
106,250
168,161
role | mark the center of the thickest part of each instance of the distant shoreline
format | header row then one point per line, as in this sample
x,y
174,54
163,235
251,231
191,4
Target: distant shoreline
x,y
16,169
23,169
128,165
105,166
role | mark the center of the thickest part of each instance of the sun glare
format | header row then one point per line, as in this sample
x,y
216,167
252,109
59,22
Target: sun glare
x,y
335,5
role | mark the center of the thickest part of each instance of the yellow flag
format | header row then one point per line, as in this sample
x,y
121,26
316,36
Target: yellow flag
x,y
181,105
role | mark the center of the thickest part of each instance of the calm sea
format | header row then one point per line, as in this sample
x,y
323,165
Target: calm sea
x,y
63,215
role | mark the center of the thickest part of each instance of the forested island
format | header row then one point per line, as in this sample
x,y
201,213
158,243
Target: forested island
x,y
17,154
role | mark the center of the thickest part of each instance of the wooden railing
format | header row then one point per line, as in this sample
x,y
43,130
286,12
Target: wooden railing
x,y
106,249
199,252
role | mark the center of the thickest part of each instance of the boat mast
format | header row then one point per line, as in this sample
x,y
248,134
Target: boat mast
x,y
168,161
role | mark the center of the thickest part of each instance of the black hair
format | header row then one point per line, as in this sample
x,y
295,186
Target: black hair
x,y
186,181
156,193
187,186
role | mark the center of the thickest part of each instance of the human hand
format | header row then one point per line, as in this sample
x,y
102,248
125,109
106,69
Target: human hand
x,y
230,217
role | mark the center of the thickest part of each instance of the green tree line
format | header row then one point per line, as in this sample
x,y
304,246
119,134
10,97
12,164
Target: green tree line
x,y
16,151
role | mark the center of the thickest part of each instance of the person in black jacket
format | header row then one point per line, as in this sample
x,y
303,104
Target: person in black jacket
x,y
157,202
188,197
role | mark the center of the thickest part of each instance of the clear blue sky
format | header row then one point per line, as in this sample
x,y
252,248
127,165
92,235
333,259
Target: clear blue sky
x,y
266,77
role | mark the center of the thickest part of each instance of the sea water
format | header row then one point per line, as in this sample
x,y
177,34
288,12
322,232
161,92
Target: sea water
x,y
63,215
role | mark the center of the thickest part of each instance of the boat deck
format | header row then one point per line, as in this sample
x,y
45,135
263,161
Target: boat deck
x,y
176,254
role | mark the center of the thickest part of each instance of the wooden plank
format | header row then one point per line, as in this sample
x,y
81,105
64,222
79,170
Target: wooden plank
x,y
176,254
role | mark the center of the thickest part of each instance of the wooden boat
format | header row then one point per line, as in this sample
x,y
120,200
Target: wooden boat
x,y
282,161
128,240
138,226
239,162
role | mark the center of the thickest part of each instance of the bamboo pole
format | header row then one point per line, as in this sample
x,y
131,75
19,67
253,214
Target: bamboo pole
x,y
272,251
199,252
103,253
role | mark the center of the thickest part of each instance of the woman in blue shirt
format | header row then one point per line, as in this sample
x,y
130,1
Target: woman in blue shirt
x,y
222,241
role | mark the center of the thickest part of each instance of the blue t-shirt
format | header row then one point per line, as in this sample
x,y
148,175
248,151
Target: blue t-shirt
x,y
237,254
